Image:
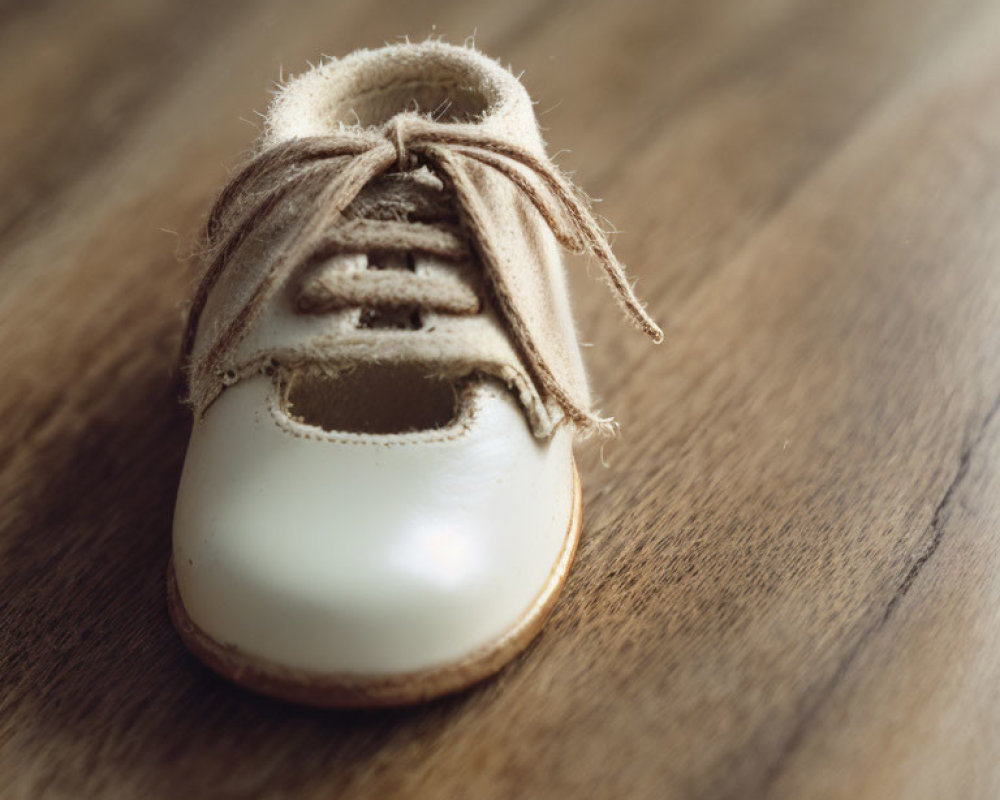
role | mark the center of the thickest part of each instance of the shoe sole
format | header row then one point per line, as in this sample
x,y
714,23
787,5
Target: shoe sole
x,y
359,690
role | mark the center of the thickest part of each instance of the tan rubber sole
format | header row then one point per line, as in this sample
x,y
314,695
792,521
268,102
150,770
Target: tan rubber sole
x,y
358,690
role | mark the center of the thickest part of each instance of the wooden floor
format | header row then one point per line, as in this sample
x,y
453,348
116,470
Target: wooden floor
x,y
789,579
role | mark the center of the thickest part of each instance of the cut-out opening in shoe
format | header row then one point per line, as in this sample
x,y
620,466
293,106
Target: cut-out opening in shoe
x,y
373,399
446,100
445,84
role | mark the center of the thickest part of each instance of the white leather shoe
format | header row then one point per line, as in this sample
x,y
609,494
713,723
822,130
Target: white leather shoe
x,y
379,503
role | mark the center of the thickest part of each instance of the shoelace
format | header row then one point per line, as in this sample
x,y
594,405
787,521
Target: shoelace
x,y
437,291
333,170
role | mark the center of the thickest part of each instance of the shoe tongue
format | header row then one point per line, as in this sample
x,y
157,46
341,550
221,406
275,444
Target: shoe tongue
x,y
369,87
417,196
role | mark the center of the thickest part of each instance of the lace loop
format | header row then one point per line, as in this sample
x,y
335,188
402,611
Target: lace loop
x,y
395,131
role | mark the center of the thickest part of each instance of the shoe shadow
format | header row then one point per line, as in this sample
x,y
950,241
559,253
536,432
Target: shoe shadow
x,y
98,694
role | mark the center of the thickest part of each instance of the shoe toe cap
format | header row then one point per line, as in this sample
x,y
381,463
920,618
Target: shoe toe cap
x,y
371,555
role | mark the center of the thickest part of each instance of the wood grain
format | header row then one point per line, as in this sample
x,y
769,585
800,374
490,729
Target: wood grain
x,y
789,579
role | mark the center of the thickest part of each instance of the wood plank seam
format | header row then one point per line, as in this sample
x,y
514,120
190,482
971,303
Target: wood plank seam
x,y
936,532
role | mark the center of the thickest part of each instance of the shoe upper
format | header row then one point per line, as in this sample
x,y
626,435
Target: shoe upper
x,y
335,513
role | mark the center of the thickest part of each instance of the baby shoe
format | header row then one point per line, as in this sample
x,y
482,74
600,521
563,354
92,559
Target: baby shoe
x,y
379,503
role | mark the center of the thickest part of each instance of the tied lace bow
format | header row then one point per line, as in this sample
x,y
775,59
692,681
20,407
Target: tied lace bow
x,y
332,170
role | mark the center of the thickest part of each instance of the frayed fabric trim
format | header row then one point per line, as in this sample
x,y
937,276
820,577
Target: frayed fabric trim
x,y
513,205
